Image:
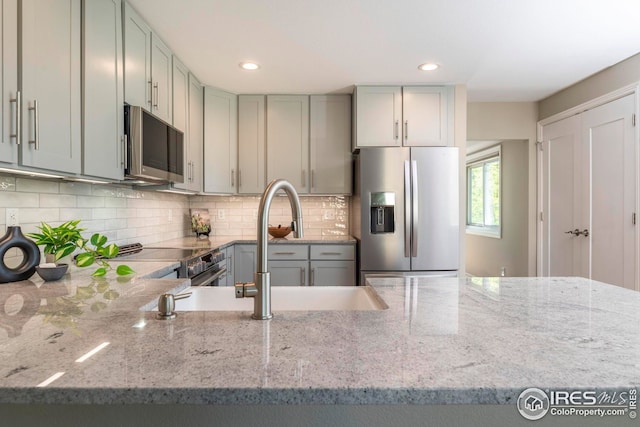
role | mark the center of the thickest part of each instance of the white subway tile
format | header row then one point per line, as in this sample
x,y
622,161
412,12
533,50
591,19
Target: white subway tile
x,y
37,215
67,214
37,186
19,200
90,202
57,200
7,183
104,213
77,188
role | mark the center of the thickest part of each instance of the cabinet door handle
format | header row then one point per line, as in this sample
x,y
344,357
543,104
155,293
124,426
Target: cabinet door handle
x,y
18,101
304,178
230,263
406,130
233,179
157,91
312,282
395,130
193,171
239,178
312,178
284,253
150,97
302,276
36,127
330,253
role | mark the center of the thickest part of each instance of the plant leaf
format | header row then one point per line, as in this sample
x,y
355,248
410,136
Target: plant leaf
x,y
111,250
85,259
98,240
100,271
123,270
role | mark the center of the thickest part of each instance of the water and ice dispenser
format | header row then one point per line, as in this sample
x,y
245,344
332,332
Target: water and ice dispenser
x,y
383,207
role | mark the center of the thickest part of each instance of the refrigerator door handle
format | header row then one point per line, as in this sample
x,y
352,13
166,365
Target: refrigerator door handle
x,y
415,213
407,209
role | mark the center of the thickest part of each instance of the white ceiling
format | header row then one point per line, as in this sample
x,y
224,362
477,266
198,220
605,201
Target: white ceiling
x,y
503,50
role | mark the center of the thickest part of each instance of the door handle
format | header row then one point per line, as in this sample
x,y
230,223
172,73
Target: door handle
x,y
157,90
18,101
577,232
36,128
406,130
407,209
395,130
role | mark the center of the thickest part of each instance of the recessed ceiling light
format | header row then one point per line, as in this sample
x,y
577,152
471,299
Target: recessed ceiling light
x,y
429,66
249,66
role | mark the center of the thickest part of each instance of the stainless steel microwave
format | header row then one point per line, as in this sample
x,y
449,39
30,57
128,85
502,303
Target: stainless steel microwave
x,y
154,148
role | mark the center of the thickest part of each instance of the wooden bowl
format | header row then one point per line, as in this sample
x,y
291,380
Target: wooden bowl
x,y
280,232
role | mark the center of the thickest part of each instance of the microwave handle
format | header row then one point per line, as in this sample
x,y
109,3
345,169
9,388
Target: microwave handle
x,y
125,151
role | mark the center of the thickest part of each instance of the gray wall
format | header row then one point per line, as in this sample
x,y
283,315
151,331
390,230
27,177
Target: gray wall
x,y
511,121
486,255
615,77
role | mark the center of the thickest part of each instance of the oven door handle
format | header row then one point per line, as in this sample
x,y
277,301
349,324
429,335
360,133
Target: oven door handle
x,y
208,279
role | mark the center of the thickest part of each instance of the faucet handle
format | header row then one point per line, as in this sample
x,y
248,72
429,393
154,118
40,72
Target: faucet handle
x,y
245,290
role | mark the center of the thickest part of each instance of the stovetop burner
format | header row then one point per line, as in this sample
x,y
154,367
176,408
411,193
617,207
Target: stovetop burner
x,y
193,262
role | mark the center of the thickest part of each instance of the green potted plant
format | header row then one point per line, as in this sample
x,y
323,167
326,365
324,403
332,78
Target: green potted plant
x,y
64,239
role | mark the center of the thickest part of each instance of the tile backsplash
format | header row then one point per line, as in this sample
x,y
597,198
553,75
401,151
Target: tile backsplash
x,y
127,215
237,215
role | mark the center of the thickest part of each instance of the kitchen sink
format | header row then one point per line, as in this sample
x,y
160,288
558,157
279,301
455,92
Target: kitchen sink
x,y
284,298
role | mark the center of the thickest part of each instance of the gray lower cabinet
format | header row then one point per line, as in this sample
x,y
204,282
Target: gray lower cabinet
x,y
332,273
244,263
332,265
298,264
228,279
289,273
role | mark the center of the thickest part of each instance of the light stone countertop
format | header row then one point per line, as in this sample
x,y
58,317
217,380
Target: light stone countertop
x,y
224,241
442,341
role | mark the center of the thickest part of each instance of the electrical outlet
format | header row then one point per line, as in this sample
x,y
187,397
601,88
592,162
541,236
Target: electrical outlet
x,y
12,217
220,213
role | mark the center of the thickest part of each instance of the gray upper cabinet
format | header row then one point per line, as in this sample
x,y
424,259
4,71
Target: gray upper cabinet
x,y
137,59
251,144
330,144
9,142
427,115
180,96
391,116
378,114
220,141
51,134
194,135
161,70
147,67
103,134
288,139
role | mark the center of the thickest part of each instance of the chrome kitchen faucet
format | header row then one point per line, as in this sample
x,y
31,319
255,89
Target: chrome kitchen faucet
x,y
260,290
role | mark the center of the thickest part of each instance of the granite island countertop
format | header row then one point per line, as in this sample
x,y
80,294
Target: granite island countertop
x,y
222,242
442,341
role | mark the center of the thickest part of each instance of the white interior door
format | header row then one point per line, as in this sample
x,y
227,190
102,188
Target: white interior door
x,y
561,157
608,138
588,194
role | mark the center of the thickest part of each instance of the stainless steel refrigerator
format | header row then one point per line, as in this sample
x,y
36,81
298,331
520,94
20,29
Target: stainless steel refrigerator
x,y
405,211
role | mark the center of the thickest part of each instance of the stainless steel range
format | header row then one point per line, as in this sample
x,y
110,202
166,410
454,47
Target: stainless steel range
x,y
202,266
